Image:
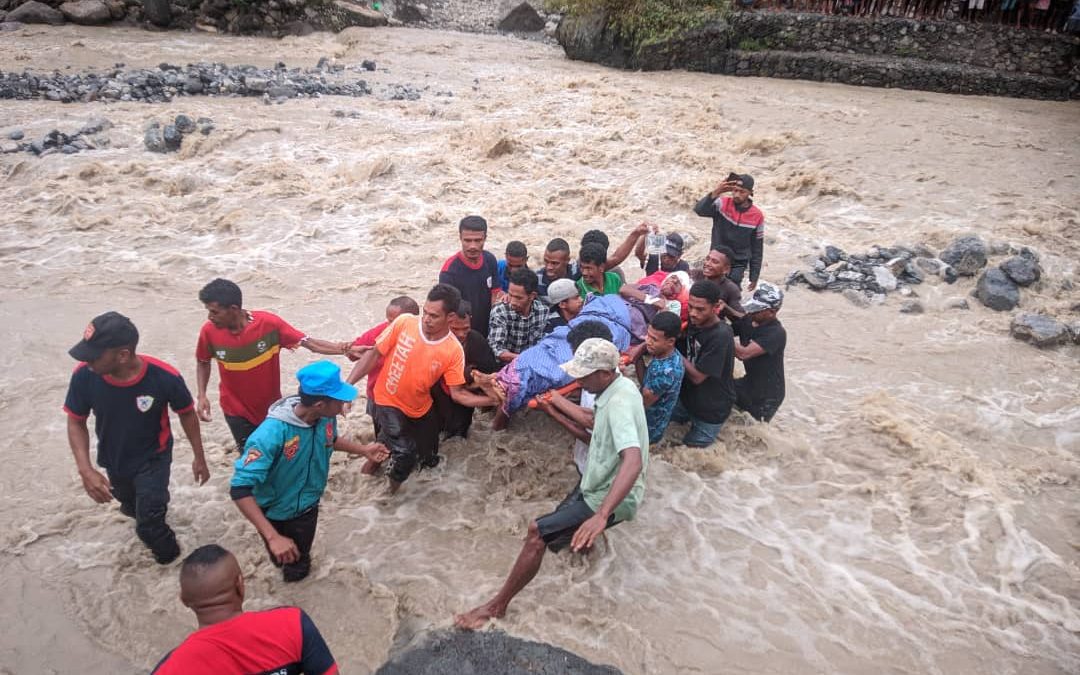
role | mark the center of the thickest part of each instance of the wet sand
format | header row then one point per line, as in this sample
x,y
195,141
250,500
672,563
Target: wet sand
x,y
913,508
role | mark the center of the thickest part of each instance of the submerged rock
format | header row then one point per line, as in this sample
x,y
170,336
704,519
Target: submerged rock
x,y
519,17
966,255
477,653
1023,269
1039,329
997,291
35,12
86,12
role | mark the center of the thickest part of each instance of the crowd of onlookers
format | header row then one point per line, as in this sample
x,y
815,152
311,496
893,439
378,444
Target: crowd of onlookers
x,y
1052,15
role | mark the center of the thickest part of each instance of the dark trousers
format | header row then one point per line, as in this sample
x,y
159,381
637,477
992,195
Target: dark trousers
x,y
241,428
144,496
454,418
738,269
411,441
761,410
301,530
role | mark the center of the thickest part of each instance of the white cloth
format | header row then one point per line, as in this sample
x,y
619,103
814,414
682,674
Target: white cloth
x,y
581,448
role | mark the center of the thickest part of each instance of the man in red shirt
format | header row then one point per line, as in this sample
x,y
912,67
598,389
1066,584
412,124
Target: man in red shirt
x,y
247,347
402,304
231,641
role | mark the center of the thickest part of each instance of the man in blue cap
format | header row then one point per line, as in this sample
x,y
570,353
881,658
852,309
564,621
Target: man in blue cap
x,y
282,474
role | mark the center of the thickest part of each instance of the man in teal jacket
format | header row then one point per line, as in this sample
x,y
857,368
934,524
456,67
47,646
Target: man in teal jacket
x,y
281,476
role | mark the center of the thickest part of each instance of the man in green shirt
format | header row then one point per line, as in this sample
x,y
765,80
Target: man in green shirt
x,y
592,261
611,489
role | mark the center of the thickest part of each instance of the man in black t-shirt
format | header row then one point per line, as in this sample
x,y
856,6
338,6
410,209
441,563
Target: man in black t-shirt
x,y
456,419
708,351
715,268
761,349
129,395
557,265
474,271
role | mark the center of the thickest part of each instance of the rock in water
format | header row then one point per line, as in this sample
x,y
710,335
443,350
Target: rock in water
x,y
519,17
911,307
997,291
184,124
172,137
966,255
884,278
408,11
857,298
35,12
833,255
86,12
1023,269
1039,329
153,139
157,12
458,652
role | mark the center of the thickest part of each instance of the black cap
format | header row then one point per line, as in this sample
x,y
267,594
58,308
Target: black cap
x,y
674,245
747,181
111,329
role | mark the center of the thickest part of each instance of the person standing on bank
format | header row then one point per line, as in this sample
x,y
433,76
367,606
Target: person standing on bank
x,y
737,224
278,481
761,349
708,354
129,395
247,347
611,488
474,272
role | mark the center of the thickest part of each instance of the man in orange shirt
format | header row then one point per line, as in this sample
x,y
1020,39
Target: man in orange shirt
x,y
416,352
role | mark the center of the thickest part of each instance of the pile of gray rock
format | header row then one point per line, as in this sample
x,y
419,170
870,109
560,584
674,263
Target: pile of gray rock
x,y
86,138
167,81
169,137
867,278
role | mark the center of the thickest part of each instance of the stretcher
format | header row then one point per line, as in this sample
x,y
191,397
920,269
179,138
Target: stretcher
x,y
624,360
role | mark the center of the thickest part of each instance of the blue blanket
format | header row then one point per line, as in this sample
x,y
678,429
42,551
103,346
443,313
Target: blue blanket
x,y
537,370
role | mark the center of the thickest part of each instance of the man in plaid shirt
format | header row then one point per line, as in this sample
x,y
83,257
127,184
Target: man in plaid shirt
x,y
517,323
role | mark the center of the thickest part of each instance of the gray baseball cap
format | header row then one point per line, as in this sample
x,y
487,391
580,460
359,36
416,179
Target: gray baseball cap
x,y
561,289
765,296
592,355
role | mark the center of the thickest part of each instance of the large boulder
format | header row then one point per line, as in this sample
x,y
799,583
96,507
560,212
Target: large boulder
x,y
157,12
1023,269
459,652
1039,329
35,12
409,11
997,291
519,17
86,12
352,14
966,255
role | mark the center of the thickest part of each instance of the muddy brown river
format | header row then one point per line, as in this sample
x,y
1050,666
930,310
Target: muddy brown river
x,y
913,508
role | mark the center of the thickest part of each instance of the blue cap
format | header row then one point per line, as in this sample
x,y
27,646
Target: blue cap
x,y
323,378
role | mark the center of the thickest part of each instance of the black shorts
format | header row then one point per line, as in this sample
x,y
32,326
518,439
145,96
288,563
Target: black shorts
x,y
410,440
558,527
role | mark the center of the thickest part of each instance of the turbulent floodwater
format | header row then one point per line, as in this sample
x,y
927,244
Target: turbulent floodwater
x,y
913,508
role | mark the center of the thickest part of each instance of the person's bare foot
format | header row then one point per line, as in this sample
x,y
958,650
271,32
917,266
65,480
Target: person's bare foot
x,y
477,617
370,468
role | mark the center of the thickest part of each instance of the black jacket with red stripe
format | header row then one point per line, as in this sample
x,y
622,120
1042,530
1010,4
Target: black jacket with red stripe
x,y
741,230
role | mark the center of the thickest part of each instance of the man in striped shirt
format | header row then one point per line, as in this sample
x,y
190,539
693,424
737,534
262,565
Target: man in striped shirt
x,y
247,346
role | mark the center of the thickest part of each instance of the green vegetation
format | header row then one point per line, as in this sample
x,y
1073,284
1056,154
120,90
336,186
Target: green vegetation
x,y
647,22
752,45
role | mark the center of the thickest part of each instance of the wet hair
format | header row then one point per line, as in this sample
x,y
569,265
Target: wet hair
x,y
222,291
472,224
585,330
595,237
516,249
525,279
204,556
464,309
727,252
449,296
667,323
558,244
707,290
406,304
593,254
